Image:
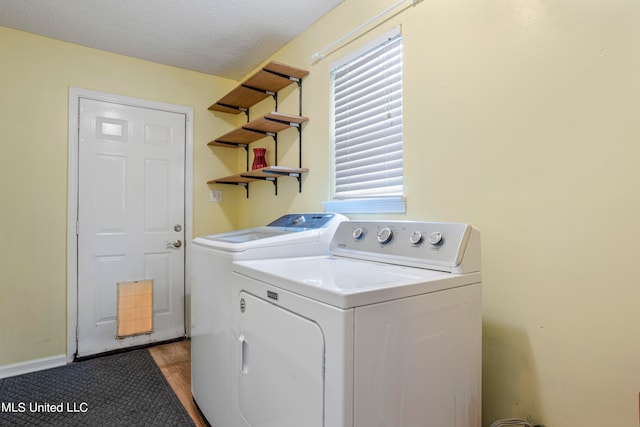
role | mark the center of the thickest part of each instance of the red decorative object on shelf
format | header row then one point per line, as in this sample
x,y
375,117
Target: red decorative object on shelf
x,y
259,160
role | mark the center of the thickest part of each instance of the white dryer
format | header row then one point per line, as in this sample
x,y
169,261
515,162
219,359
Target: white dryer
x,y
212,256
385,331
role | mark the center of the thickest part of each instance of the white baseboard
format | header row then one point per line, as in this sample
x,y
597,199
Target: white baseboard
x,y
32,366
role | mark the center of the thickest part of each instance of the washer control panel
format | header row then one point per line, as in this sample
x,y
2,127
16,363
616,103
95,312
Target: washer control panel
x,y
408,242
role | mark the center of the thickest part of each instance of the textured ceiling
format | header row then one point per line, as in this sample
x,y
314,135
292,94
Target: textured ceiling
x,y
226,38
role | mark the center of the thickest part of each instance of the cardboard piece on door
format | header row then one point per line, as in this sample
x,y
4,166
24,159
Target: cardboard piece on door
x,y
135,308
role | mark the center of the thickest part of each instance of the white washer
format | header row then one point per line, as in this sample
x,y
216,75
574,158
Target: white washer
x,y
211,342
384,331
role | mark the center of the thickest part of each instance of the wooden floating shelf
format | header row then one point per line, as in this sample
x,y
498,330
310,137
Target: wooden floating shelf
x,y
272,78
267,125
232,179
272,172
268,81
268,173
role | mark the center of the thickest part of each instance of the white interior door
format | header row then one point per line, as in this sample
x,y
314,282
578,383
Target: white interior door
x,y
131,205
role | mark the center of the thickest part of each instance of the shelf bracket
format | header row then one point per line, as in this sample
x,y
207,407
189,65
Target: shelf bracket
x,y
300,150
299,82
274,180
231,144
286,76
263,132
284,122
275,145
274,95
235,107
295,175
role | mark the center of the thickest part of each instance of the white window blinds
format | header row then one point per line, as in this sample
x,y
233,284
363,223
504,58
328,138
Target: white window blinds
x,y
367,107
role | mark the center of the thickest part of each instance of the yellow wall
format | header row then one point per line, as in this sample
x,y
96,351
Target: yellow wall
x,y
521,117
35,76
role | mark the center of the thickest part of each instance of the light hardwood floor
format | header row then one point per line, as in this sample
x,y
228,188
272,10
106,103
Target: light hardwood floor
x,y
174,361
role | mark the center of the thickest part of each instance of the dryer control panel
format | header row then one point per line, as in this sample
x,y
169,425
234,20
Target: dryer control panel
x,y
435,245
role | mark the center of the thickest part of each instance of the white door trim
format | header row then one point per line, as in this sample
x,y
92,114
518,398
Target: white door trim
x,y
72,198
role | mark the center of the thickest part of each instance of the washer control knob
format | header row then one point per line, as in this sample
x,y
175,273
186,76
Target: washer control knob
x,y
435,238
385,235
358,233
416,238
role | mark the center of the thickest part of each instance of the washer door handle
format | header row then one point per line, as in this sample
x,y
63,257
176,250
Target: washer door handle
x,y
244,354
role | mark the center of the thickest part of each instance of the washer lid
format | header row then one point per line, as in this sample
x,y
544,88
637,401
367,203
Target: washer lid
x,y
247,235
346,283
287,230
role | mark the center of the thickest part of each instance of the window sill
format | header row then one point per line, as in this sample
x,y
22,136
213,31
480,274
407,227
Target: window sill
x,y
378,205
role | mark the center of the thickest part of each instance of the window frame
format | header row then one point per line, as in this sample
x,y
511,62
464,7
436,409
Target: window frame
x,y
362,204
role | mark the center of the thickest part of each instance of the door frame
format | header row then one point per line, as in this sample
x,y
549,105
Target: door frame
x,y
75,94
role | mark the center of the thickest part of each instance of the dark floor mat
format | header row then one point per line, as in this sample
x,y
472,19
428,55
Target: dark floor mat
x,y
125,389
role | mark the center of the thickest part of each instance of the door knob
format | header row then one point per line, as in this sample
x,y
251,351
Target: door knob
x,y
175,244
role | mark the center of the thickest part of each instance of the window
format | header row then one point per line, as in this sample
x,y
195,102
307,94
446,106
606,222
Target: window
x,y
367,129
